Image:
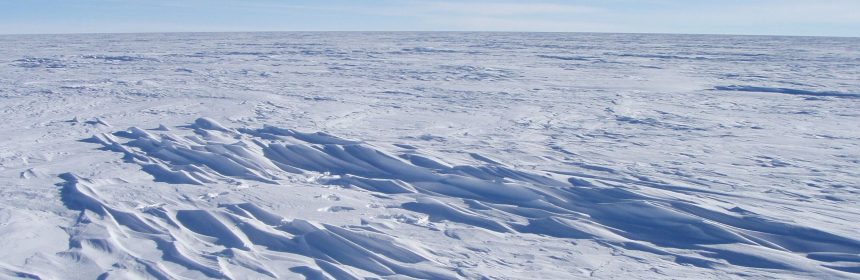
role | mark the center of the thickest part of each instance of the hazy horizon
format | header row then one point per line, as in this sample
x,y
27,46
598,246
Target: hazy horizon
x,y
418,31
735,17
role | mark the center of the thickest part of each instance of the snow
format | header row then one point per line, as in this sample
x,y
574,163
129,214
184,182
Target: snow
x,y
429,155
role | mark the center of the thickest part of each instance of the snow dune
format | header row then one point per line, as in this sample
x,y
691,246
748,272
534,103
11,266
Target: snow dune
x,y
688,226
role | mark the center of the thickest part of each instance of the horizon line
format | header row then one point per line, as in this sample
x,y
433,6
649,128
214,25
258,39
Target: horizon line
x,y
416,31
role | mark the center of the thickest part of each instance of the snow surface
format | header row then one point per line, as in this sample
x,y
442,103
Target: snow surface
x,y
429,155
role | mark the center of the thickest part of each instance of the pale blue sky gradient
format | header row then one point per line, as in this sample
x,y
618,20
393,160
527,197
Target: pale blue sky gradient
x,y
768,17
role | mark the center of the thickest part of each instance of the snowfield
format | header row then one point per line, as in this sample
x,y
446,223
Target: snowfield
x,y
429,156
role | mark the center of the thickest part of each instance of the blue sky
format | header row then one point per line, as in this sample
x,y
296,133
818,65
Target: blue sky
x,y
774,17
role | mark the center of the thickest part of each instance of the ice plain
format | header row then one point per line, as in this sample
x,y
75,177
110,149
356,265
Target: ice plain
x,y
347,155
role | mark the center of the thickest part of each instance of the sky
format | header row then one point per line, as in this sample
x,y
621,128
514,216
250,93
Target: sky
x,y
748,17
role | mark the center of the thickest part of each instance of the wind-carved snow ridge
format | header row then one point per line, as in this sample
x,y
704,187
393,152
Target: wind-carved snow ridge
x,y
692,226
107,239
790,91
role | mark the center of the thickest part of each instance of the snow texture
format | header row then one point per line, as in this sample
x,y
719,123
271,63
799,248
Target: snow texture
x,y
429,156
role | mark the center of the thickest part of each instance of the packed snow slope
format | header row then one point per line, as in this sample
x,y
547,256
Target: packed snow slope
x,y
429,156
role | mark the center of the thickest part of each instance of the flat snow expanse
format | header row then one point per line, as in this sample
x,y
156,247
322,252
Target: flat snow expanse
x,y
429,155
